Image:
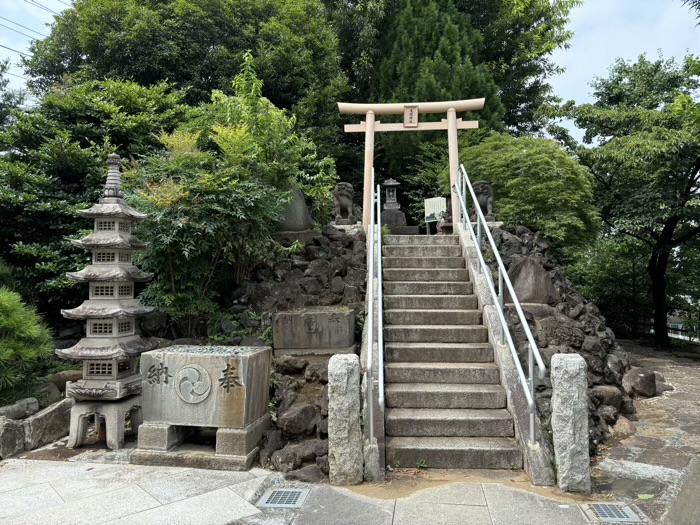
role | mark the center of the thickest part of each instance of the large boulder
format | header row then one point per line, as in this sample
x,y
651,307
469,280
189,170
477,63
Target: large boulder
x,y
296,216
47,426
639,381
299,419
285,460
531,282
11,437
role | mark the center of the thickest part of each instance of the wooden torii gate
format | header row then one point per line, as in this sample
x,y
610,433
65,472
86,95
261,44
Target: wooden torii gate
x,y
411,122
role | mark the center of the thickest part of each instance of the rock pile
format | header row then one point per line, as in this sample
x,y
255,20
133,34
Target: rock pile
x,y
297,443
563,321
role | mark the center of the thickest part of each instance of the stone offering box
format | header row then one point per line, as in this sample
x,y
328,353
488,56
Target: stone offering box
x,y
314,332
225,387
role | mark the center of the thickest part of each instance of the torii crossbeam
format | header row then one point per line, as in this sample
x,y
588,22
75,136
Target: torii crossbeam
x,y
411,122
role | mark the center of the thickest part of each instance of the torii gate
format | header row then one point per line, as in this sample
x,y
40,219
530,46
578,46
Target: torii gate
x,y
410,123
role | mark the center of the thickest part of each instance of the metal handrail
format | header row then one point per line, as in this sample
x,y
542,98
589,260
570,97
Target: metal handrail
x,y
375,250
498,297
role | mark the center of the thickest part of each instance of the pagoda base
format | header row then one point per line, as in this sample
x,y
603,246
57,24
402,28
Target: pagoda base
x,y
104,389
109,413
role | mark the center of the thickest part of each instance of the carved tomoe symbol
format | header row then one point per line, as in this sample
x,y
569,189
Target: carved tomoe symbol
x,y
311,325
193,384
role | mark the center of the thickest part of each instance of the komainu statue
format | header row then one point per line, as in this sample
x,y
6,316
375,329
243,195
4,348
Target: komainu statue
x,y
484,196
342,198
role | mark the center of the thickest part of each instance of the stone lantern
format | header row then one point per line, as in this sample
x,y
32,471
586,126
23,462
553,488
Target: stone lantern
x,y
112,344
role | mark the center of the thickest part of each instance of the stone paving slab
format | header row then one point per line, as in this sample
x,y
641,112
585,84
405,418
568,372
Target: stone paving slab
x,y
411,512
219,507
331,506
515,507
21,501
453,494
189,483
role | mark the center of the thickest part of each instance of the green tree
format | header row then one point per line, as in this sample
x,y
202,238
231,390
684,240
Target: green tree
x,y
536,184
24,339
611,272
199,46
10,99
53,163
215,195
642,144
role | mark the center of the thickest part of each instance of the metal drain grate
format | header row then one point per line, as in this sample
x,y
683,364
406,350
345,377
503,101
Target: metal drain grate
x,y
610,513
283,498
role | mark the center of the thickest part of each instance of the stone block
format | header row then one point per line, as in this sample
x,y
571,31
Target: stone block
x,y
570,422
11,437
206,386
160,436
48,425
241,441
345,457
314,332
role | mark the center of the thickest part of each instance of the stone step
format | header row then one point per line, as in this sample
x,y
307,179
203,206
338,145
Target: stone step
x,y
430,302
427,288
469,373
421,250
453,452
441,240
425,274
449,422
435,334
438,352
449,395
432,317
423,262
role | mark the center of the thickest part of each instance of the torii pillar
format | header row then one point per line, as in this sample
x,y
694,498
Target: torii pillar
x,y
411,122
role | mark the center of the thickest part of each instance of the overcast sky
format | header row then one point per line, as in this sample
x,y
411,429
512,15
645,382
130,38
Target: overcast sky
x,y
604,30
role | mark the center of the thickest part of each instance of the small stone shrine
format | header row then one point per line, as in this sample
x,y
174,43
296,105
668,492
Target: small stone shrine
x,y
111,385
344,208
189,388
392,215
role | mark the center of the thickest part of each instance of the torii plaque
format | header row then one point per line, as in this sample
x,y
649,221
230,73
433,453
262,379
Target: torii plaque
x,y
411,122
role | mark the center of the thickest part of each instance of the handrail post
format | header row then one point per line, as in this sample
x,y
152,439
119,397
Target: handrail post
x,y
465,217
531,374
380,307
370,315
500,303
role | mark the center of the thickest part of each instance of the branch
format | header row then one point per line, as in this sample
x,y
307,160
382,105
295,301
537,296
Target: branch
x,y
636,236
687,237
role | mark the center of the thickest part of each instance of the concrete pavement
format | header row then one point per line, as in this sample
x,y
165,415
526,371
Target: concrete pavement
x,y
37,492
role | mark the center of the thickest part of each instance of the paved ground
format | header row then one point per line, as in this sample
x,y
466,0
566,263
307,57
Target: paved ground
x,y
75,492
655,465
656,472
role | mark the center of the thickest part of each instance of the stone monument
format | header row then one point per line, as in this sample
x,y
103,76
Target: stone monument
x,y
317,331
392,215
344,209
484,196
111,385
296,222
221,387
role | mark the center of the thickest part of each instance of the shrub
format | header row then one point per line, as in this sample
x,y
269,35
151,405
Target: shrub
x,y
24,341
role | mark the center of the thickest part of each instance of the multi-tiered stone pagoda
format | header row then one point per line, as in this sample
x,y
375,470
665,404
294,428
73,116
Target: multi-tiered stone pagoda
x,y
112,344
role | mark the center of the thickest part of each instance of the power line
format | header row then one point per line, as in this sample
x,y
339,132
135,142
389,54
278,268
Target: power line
x,y
25,27
20,32
64,3
18,52
37,4
18,76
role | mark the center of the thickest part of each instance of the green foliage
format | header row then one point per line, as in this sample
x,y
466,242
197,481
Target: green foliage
x,y
536,184
645,158
612,273
9,98
23,340
199,46
214,198
53,163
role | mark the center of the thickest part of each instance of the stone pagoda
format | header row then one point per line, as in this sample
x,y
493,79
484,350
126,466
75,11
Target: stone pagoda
x,y
111,346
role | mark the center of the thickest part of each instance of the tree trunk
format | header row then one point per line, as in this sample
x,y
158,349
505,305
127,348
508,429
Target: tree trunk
x,y
657,273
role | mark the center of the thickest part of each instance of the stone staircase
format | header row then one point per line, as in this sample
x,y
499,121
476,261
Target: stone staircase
x,y
445,405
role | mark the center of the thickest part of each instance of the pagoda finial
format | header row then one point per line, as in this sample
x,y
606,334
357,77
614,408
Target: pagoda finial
x,y
113,186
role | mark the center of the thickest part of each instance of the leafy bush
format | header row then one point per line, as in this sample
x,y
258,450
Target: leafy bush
x,y
24,340
215,196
